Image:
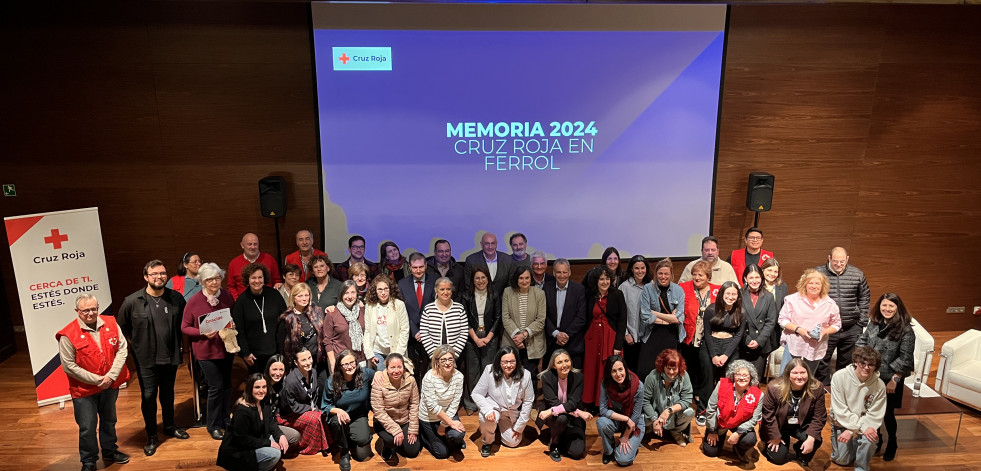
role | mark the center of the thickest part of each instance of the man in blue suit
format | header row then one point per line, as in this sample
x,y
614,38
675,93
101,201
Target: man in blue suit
x,y
418,291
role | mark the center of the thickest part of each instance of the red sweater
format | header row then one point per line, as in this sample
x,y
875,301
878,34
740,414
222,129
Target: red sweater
x,y
235,284
295,259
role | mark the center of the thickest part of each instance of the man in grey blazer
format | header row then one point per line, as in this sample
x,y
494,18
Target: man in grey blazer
x,y
565,328
497,263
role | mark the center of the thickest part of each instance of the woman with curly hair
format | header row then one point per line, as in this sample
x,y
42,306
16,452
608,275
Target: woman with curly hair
x,y
735,406
386,322
347,400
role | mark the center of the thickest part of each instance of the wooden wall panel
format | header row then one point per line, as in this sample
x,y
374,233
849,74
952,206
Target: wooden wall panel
x,y
165,115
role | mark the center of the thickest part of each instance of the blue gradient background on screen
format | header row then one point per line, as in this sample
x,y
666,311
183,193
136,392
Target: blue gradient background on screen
x,y
646,188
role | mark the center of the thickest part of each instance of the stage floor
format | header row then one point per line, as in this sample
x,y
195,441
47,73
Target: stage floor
x,y
46,439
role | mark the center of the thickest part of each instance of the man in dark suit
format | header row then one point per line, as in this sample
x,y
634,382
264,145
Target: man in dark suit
x,y
418,291
443,263
565,314
539,264
497,263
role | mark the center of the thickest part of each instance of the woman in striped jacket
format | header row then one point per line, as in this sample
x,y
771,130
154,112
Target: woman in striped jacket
x,y
444,321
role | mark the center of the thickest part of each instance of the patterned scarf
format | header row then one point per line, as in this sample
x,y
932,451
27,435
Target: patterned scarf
x,y
354,327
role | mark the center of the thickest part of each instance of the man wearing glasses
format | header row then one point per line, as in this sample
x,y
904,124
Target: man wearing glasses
x,y
150,319
93,355
858,405
753,254
355,247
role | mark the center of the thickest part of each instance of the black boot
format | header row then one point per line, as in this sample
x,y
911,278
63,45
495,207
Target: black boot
x,y
890,453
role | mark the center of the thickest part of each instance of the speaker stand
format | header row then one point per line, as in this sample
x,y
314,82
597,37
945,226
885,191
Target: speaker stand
x,y
279,250
756,220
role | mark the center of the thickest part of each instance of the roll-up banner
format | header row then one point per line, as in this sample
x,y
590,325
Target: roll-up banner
x,y
56,257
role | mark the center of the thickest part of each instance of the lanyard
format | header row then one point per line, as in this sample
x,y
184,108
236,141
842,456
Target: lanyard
x,y
262,313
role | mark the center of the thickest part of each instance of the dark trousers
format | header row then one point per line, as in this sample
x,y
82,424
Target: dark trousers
x,y
218,377
406,449
756,356
421,361
97,411
440,446
782,455
353,437
476,359
530,364
568,434
693,363
844,340
706,370
631,354
157,380
746,441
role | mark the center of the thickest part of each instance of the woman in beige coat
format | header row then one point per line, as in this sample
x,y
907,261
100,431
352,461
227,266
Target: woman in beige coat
x,y
523,317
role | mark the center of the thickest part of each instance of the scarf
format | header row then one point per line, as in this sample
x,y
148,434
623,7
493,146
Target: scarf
x,y
623,401
212,300
397,267
354,327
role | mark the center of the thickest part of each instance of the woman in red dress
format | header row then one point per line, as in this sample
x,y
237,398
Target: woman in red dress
x,y
607,326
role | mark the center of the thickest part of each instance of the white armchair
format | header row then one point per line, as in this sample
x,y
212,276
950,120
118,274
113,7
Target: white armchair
x,y
922,354
960,366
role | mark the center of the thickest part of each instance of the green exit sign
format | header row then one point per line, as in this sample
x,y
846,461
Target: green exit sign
x,y
9,190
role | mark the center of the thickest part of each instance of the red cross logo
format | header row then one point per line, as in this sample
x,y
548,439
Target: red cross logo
x,y
55,239
344,58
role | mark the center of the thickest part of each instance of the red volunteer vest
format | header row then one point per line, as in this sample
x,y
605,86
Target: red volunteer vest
x,y
90,358
738,258
178,283
730,416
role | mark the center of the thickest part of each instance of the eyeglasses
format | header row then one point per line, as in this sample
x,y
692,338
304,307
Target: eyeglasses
x,y
380,289
357,247
742,376
349,364
446,361
157,275
88,311
508,362
864,364
754,238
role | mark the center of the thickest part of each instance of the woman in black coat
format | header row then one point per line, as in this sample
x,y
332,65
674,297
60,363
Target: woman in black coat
x,y
561,408
254,441
890,332
759,319
483,307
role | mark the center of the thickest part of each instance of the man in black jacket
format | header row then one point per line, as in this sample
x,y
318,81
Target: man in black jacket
x,y
851,292
150,319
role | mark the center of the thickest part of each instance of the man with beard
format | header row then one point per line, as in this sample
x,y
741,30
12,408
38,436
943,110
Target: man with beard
x,y
150,319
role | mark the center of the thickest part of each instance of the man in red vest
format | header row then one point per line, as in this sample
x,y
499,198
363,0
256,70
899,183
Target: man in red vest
x,y
753,254
93,355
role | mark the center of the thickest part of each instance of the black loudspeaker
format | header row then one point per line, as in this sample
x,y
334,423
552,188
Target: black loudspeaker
x,y
759,194
272,197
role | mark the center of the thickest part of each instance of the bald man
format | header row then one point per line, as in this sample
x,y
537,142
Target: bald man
x,y
251,254
850,291
497,263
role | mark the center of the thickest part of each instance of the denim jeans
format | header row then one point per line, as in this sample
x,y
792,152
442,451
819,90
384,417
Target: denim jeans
x,y
859,449
607,429
91,412
267,457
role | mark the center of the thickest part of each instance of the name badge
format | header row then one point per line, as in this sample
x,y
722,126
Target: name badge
x,y
792,421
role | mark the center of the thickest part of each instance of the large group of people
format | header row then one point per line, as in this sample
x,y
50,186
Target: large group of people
x,y
413,340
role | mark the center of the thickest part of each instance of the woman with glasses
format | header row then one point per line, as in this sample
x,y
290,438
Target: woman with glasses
x,y
347,400
186,281
386,322
735,406
440,428
505,395
209,349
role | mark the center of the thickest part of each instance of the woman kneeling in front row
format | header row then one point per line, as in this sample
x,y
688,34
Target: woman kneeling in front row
x,y
561,408
668,396
504,395
793,408
253,441
621,406
347,400
735,406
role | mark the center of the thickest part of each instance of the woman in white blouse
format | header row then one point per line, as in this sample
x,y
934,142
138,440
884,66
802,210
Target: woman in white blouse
x,y
440,428
443,321
386,322
504,394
